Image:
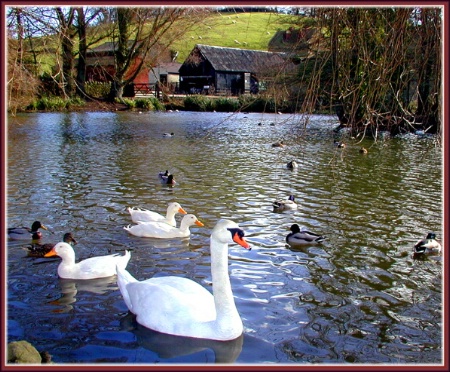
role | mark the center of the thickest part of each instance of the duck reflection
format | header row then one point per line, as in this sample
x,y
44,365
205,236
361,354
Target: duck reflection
x,y
170,346
70,288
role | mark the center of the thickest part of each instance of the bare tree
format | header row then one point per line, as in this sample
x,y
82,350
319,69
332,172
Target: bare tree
x,y
142,35
382,67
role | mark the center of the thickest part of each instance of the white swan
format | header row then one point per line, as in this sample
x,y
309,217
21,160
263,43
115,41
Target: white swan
x,y
90,268
145,215
163,230
180,306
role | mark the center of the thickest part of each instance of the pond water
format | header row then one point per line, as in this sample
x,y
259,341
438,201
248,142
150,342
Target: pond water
x,y
357,298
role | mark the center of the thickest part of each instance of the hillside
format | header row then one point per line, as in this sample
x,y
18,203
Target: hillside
x,y
240,30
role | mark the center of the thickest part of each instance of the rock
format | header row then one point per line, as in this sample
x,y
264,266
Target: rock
x,y
23,352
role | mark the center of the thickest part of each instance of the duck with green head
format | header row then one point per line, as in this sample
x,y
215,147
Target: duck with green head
x,y
25,233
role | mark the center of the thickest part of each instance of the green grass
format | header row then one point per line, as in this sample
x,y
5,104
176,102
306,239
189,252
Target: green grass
x,y
251,30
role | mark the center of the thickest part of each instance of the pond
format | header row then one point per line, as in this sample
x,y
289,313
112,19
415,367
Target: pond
x,y
357,298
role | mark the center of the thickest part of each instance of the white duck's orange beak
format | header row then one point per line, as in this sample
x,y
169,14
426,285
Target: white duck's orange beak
x,y
182,211
51,253
198,223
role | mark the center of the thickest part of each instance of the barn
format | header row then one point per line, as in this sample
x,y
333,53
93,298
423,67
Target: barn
x,y
231,71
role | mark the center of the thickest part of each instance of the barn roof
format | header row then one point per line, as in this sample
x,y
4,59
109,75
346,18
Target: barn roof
x,y
240,60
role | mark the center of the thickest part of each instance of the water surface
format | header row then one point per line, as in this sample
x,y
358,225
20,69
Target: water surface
x,y
357,298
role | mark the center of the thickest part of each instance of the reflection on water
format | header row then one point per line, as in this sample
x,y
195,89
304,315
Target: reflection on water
x,y
171,347
70,287
359,297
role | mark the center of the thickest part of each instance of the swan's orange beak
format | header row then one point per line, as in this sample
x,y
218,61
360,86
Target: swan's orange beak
x,y
241,241
182,211
51,253
198,223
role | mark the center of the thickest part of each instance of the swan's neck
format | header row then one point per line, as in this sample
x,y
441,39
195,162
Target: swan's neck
x,y
223,295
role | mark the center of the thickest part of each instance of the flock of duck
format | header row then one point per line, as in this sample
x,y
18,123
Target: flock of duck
x,y
183,307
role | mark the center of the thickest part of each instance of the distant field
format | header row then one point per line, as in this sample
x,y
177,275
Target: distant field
x,y
250,30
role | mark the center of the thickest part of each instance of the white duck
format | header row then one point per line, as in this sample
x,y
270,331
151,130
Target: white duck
x,y
90,268
145,215
283,205
162,230
180,306
301,236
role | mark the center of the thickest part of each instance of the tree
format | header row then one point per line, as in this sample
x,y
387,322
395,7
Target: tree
x,y
141,35
385,67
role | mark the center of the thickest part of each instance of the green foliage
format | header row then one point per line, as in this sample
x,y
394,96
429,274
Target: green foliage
x,y
198,103
54,103
97,89
226,104
131,103
151,104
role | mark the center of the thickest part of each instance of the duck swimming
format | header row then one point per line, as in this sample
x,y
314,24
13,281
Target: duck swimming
x,y
429,245
278,144
23,233
340,145
144,215
283,205
166,178
180,306
162,230
39,250
301,236
292,164
90,268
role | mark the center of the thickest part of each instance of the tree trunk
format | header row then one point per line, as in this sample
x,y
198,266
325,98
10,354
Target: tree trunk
x,y
82,51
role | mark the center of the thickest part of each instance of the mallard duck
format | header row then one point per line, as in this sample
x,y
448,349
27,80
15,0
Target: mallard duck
x,y
144,215
166,178
283,205
292,164
301,236
22,233
340,145
429,245
162,230
90,268
363,150
180,306
39,250
278,144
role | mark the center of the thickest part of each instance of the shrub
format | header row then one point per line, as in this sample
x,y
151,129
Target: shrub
x,y
150,103
54,103
227,104
197,103
97,89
